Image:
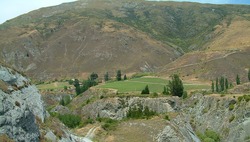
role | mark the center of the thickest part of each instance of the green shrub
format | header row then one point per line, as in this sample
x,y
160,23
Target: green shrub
x,y
209,136
240,98
205,110
213,135
109,124
247,98
185,95
231,107
167,117
70,120
231,118
154,95
201,136
65,100
138,112
65,88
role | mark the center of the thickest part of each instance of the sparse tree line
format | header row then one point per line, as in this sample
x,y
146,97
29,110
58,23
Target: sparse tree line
x,y
85,85
81,87
222,84
118,76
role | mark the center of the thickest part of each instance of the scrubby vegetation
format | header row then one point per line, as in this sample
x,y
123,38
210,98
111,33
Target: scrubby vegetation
x,y
231,118
209,136
109,124
244,97
139,112
65,100
231,107
70,120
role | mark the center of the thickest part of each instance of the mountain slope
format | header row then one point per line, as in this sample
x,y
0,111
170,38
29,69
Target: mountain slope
x,y
226,55
78,38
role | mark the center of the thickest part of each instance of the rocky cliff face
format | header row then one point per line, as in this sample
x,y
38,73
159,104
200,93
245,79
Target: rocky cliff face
x,y
226,115
117,108
20,105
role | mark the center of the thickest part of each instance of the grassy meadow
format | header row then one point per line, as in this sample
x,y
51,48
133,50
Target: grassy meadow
x,y
154,84
53,85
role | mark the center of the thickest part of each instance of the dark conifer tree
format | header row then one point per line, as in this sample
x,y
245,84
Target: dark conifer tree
x,y
125,77
226,84
176,86
106,76
222,84
237,79
119,75
212,87
217,85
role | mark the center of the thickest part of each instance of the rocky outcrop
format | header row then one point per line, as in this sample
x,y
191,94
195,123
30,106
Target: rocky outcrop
x,y
225,115
20,106
117,108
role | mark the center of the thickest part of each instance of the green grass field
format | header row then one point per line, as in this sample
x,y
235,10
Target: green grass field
x,y
154,84
54,85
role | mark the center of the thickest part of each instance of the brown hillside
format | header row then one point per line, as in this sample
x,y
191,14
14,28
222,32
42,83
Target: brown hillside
x,y
75,39
90,45
226,55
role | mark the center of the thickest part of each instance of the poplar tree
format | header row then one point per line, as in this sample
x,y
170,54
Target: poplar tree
x,y
222,84
106,76
212,87
119,75
226,84
237,79
217,85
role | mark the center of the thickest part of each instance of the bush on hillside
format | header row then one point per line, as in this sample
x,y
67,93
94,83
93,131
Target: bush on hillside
x,y
65,100
70,120
139,112
209,136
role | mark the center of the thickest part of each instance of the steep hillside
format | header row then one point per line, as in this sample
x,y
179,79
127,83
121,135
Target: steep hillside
x,y
226,55
176,119
78,38
22,113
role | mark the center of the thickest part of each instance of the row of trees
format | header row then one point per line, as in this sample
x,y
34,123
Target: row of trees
x,y
93,81
85,85
118,76
221,84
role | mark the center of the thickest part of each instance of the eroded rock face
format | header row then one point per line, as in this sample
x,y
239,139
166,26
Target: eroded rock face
x,y
212,112
20,105
117,108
